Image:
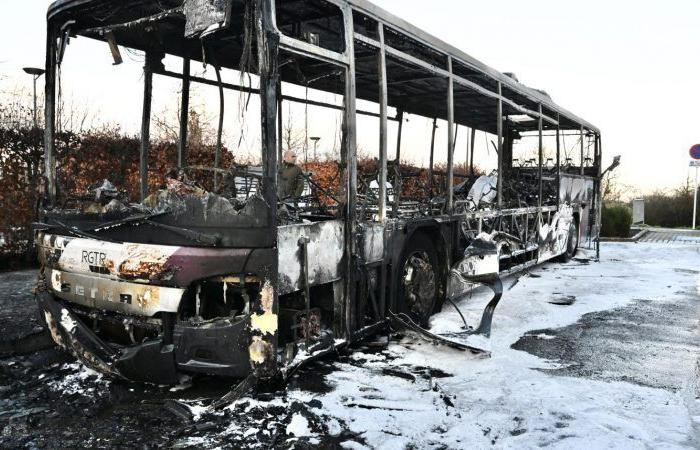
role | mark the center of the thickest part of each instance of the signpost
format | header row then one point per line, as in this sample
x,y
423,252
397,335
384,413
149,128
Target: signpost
x,y
695,154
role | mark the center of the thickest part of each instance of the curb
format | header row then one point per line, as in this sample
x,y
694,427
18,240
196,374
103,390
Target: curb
x,y
634,238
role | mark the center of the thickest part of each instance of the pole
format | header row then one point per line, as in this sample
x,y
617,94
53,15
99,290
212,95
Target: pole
x,y
559,161
280,122
472,143
263,342
450,138
220,130
432,155
466,156
599,196
499,128
36,124
582,152
145,127
695,200
541,156
351,225
383,128
184,114
50,115
397,167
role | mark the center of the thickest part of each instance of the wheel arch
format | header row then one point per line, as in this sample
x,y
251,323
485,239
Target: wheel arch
x,y
435,233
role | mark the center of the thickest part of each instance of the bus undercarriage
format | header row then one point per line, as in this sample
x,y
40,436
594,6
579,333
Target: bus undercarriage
x,y
217,274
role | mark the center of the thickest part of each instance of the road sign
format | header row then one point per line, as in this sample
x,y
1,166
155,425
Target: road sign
x,y
696,164
695,151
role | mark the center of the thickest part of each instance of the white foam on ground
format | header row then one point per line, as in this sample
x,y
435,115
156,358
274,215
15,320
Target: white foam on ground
x,y
545,336
82,380
299,426
504,401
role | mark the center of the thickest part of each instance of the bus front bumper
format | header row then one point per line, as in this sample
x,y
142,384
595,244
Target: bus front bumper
x,y
194,349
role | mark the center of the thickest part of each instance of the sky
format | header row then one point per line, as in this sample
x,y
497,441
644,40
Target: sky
x,y
629,67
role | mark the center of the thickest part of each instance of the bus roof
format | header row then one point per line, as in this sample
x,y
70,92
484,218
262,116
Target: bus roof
x,y
449,50
474,97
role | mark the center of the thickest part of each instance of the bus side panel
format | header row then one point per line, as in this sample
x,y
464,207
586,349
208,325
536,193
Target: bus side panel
x,y
579,192
325,249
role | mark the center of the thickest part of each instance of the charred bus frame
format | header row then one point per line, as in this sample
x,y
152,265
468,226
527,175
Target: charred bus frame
x,y
304,287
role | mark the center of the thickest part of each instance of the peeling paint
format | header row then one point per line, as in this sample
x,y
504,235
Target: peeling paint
x,y
53,329
67,321
93,362
259,350
553,236
148,298
94,291
138,262
143,262
110,266
266,323
325,249
56,280
267,297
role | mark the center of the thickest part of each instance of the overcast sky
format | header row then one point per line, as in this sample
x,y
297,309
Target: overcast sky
x,y
631,67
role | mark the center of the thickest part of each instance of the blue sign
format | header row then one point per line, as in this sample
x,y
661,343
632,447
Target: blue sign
x,y
695,151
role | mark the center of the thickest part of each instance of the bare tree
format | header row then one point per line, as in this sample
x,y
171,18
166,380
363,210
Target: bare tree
x,y
293,138
200,128
76,117
614,191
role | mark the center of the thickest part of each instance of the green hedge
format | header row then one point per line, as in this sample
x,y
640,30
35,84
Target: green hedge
x,y
670,209
617,221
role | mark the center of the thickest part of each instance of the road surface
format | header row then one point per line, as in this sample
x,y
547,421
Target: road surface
x,y
617,368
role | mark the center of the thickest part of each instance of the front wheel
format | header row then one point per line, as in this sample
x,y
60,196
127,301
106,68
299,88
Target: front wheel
x,y
418,280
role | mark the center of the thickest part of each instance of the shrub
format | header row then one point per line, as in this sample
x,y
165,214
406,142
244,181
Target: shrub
x,y
617,221
670,209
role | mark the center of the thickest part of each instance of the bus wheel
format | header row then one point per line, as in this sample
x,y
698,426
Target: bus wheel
x,y
571,243
418,280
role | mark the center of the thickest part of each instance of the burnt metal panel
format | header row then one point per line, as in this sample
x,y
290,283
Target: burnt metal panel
x,y
580,191
575,189
372,237
553,233
157,265
325,249
110,295
215,348
202,15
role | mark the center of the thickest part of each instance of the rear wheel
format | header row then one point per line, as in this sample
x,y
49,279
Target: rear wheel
x,y
418,279
571,242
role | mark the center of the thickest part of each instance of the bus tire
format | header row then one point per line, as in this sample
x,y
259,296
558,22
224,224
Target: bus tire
x,y
571,243
418,283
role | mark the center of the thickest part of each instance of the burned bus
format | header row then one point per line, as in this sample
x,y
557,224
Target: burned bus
x,y
236,280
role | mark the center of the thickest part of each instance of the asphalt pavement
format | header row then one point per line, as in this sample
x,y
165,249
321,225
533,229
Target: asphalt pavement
x,y
616,365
